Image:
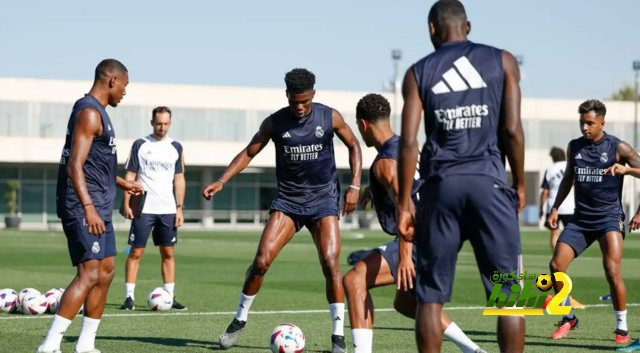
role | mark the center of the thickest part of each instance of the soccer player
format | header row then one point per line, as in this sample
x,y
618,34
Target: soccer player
x,y
598,215
470,96
549,189
381,268
86,192
158,164
308,194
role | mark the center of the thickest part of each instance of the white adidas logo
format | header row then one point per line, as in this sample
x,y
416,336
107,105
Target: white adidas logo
x,y
578,156
455,82
286,135
109,127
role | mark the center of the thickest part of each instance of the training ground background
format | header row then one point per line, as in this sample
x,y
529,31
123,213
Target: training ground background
x,y
210,272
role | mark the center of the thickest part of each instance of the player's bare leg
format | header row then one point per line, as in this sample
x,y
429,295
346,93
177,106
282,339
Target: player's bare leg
x,y
555,234
94,307
326,236
169,274
511,332
611,247
428,327
562,257
278,232
130,277
71,301
405,303
373,271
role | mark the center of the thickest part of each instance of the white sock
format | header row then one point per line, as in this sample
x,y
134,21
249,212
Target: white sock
x,y
54,337
243,307
454,334
170,287
621,320
567,302
130,289
337,318
362,340
87,339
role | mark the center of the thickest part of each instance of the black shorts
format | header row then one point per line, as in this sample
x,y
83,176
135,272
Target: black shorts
x,y
165,233
580,235
564,218
391,253
84,246
306,216
459,208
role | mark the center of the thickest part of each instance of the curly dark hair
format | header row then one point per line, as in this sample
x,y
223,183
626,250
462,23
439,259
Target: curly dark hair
x,y
373,107
299,81
593,105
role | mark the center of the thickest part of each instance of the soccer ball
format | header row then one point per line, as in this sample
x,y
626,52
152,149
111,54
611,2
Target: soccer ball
x,y
287,338
21,297
34,303
8,300
160,300
544,282
53,299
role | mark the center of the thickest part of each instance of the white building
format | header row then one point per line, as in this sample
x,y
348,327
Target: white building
x,y
214,124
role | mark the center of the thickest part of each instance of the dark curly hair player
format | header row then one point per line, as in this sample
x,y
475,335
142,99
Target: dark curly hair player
x,y
380,266
469,94
308,194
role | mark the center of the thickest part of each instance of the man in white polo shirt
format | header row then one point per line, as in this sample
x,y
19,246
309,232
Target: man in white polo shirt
x,y
157,162
549,189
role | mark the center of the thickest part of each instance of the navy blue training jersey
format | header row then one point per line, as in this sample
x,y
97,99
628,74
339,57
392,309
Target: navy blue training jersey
x,y
461,86
100,168
596,195
383,204
305,160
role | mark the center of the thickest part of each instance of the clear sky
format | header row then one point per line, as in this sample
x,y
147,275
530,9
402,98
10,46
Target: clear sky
x,y
571,48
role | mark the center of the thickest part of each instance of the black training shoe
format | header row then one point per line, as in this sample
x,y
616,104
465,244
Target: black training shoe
x,y
177,306
337,344
230,336
129,304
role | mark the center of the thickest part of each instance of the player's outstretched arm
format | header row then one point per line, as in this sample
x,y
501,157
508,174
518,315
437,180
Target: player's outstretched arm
x,y
627,155
88,126
563,190
347,137
512,132
408,154
128,212
259,141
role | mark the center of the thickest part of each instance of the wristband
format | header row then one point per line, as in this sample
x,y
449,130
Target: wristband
x,y
220,180
354,187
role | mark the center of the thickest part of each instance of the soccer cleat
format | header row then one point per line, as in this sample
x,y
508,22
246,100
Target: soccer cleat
x,y
633,347
129,304
337,344
546,301
576,304
230,336
479,350
564,327
622,336
177,306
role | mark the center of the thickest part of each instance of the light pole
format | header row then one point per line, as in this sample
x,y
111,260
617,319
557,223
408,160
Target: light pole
x,y
636,68
394,86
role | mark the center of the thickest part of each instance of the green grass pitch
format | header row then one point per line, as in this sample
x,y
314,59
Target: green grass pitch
x,y
210,272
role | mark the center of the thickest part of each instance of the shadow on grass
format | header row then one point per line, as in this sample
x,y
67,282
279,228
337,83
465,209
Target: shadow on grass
x,y
181,342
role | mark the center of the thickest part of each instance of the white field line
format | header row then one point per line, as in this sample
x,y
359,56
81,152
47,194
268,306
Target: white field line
x,y
213,313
